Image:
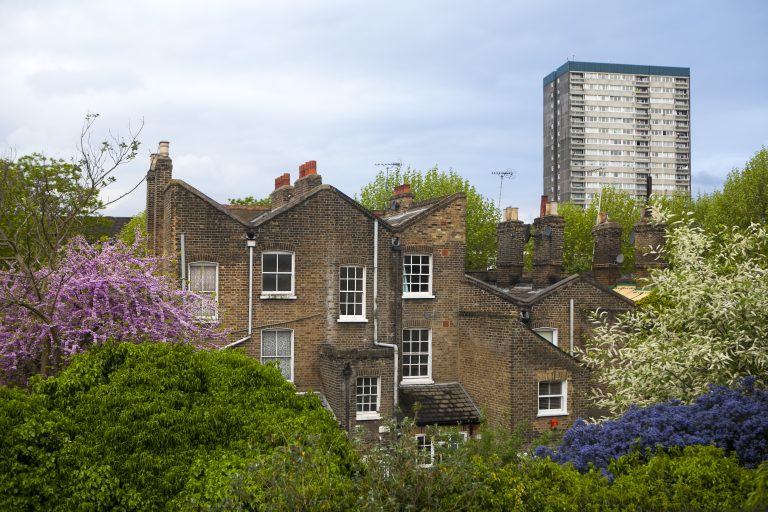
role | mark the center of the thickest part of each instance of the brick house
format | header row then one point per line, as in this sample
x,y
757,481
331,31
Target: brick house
x,y
374,310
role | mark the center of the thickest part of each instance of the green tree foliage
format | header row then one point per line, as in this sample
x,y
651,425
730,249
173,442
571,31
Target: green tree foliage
x,y
44,202
743,200
41,198
706,324
136,226
482,214
250,200
578,241
139,427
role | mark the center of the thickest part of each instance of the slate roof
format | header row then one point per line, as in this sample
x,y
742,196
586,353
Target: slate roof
x,y
440,404
525,295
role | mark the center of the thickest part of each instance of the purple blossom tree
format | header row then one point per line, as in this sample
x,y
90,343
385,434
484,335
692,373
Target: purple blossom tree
x,y
96,293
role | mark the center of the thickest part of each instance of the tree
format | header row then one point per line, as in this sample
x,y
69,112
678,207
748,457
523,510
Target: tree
x,y
743,200
706,324
97,293
44,202
135,229
482,214
158,427
250,200
578,242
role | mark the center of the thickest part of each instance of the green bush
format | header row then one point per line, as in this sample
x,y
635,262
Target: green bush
x,y
137,427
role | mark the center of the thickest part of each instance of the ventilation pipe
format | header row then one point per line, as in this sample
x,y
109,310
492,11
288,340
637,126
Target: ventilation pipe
x,y
376,342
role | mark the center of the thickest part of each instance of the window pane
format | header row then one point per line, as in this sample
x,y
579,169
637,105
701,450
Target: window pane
x,y
284,282
269,282
195,277
268,344
283,343
284,263
209,278
270,262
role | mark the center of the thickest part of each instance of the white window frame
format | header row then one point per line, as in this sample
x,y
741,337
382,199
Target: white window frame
x,y
420,294
421,440
552,331
265,360
352,318
421,379
215,291
368,415
279,294
421,444
563,410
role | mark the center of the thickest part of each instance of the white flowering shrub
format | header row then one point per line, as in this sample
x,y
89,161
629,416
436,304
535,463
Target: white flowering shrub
x,y
706,323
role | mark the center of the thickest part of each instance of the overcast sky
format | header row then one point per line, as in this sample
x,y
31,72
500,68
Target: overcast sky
x,y
247,90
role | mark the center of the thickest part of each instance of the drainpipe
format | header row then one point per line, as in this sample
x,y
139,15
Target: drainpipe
x,y
570,327
183,264
376,342
250,243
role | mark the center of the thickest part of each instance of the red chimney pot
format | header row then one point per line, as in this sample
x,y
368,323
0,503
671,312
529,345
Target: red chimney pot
x,y
282,180
405,188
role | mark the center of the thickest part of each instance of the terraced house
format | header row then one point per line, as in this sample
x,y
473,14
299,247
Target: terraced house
x,y
374,311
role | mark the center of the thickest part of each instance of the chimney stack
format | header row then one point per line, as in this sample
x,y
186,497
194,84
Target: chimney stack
x,y
403,197
283,191
648,237
511,235
308,178
547,245
607,259
158,177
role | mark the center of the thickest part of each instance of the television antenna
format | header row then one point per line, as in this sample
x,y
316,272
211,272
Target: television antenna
x,y
388,166
507,173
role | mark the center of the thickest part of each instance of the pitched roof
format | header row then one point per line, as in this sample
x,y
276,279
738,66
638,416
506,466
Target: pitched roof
x,y
526,295
439,404
400,219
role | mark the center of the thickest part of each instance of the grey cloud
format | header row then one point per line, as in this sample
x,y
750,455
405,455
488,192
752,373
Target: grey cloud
x,y
69,82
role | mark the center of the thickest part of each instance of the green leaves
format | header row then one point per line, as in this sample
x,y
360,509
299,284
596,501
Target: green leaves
x,y
707,322
131,426
482,214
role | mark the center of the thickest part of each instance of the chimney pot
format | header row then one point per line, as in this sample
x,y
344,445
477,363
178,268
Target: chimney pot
x,y
308,168
543,207
163,148
553,208
282,180
405,188
510,214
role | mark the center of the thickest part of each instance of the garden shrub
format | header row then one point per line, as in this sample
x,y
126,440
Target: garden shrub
x,y
134,427
733,419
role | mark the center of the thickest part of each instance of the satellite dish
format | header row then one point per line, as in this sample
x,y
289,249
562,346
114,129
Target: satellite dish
x,y
548,231
620,258
632,238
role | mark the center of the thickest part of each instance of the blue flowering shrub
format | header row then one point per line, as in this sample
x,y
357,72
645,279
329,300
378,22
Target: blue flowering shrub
x,y
733,419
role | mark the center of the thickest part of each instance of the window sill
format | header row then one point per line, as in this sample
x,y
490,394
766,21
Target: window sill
x,y
278,297
352,320
413,382
418,296
368,416
544,414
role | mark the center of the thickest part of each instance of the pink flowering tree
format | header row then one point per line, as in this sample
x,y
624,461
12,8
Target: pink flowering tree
x,y
96,293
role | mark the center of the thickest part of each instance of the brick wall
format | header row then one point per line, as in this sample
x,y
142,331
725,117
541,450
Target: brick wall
x,y
511,359
554,310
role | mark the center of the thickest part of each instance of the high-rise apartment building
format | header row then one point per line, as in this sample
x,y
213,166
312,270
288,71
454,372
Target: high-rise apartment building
x,y
611,125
